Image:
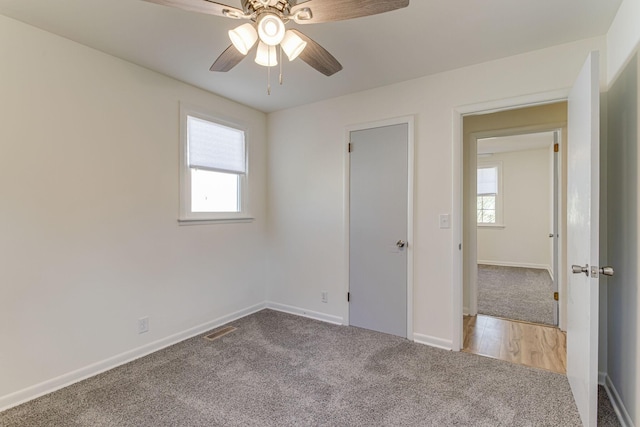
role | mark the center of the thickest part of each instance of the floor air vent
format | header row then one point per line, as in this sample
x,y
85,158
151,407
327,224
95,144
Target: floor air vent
x,y
220,333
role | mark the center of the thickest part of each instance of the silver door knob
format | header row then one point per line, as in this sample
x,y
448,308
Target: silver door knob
x,y
577,269
606,271
550,234
401,243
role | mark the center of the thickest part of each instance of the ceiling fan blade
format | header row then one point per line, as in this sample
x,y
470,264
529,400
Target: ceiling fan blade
x,y
202,6
227,60
318,57
338,10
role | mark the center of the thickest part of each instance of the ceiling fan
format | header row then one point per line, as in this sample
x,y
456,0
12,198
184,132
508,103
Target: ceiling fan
x,y
268,19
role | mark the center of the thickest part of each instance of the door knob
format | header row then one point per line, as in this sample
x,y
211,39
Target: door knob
x,y
577,269
401,243
550,234
606,271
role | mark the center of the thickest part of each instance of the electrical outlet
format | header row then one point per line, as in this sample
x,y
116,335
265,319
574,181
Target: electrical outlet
x,y
143,325
325,296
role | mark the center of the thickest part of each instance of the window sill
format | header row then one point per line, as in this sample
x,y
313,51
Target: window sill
x,y
205,221
494,226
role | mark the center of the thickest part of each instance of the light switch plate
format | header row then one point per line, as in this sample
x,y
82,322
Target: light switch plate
x,y
445,221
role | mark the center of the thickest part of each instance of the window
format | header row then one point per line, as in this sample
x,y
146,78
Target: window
x,y
213,169
489,196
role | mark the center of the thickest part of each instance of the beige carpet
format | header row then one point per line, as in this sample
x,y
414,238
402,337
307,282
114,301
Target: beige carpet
x,y
282,370
516,293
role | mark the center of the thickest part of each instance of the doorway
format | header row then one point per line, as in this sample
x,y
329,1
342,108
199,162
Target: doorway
x,y
539,120
380,195
516,226
580,320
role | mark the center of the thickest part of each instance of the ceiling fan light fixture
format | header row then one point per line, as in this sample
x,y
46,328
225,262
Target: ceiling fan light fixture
x,y
271,29
292,45
266,55
243,37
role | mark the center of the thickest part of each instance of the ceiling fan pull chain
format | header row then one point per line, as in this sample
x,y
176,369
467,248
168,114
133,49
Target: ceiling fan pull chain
x,y
280,59
269,72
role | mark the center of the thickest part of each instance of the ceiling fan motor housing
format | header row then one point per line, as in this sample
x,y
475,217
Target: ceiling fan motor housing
x,y
281,7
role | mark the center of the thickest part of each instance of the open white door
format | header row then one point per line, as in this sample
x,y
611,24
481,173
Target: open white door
x,y
583,193
555,235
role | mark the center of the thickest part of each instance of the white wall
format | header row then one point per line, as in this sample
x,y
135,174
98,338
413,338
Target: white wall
x,y
623,38
623,299
623,295
88,214
524,240
306,178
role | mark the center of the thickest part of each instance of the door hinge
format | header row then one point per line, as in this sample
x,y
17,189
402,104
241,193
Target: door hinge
x,y
350,148
556,296
348,296
460,246
556,148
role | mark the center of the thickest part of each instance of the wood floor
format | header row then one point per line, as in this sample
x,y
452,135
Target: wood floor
x,y
518,342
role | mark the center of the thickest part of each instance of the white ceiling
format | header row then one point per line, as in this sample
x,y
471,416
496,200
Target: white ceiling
x,y
428,37
524,142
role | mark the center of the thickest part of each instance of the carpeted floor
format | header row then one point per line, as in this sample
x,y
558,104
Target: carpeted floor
x,y
606,414
283,370
516,293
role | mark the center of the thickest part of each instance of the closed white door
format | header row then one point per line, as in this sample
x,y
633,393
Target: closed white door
x,y
378,200
583,201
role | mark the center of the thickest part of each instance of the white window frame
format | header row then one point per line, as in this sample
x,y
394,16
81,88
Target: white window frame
x,y
186,216
499,196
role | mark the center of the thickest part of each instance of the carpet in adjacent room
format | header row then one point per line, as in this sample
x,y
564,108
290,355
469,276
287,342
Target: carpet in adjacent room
x,y
516,293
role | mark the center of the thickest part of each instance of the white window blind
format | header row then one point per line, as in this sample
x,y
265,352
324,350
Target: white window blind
x,y
215,147
488,180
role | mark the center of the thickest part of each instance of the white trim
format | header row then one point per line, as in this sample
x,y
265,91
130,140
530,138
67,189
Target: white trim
x,y
185,216
489,226
529,100
457,220
49,386
616,401
336,320
214,221
518,264
432,341
602,378
457,189
409,120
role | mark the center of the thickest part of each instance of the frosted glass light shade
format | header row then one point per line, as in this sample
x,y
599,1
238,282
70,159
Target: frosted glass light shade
x,y
292,45
243,37
266,55
271,29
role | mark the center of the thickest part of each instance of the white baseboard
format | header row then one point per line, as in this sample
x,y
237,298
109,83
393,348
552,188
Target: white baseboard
x,y
336,320
49,386
616,402
519,264
515,264
432,341
602,378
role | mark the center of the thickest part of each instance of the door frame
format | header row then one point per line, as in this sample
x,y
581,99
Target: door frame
x,y
457,180
556,228
409,121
